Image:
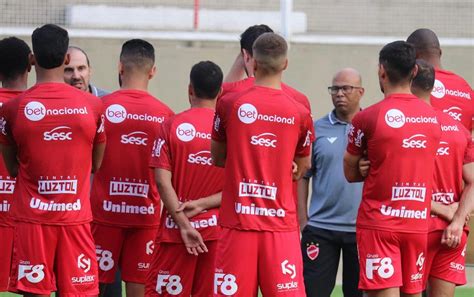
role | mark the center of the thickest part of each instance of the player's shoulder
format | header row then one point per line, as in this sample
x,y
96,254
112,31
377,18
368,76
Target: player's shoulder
x,y
443,74
237,86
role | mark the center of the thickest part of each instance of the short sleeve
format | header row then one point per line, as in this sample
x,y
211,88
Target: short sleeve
x,y
469,152
357,136
306,136
6,137
100,132
219,123
161,153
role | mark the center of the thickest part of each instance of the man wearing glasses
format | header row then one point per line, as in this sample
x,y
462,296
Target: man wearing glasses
x,y
330,227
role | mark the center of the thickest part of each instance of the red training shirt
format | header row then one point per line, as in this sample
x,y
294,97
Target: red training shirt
x,y
124,192
183,147
7,183
264,129
55,127
401,135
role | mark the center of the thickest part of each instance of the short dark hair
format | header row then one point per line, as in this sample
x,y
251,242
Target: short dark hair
x,y
425,77
426,43
398,59
249,36
14,60
50,44
270,51
206,79
82,51
137,54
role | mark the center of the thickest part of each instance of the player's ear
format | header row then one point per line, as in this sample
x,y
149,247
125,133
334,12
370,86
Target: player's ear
x,y
190,93
382,73
254,65
246,55
32,59
285,66
152,72
67,59
120,68
414,72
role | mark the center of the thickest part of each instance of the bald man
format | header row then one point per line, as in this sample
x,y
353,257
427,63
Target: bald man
x,y
330,227
78,72
451,93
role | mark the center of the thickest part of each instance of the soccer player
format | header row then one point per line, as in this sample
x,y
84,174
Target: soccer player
x,y
400,135
185,174
445,265
243,64
53,138
257,135
78,72
14,68
333,209
125,200
451,93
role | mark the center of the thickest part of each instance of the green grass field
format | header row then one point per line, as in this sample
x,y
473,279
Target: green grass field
x,y
460,292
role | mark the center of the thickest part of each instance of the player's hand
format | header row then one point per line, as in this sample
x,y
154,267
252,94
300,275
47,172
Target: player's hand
x,y
190,208
364,166
193,241
452,234
294,167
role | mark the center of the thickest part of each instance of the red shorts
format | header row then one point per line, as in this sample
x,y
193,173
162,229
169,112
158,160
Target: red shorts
x,y
47,258
446,263
175,272
130,248
248,259
6,248
391,259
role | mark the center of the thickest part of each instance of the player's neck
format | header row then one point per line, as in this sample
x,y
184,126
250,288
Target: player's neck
x,y
55,75
15,85
269,81
203,103
134,84
397,89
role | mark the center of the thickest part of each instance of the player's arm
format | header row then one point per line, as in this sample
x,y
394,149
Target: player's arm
x,y
191,237
237,70
303,164
9,153
195,207
97,156
444,211
351,168
218,153
452,234
303,192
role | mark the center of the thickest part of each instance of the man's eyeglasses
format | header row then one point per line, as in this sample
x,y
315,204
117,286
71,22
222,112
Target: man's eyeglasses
x,y
345,89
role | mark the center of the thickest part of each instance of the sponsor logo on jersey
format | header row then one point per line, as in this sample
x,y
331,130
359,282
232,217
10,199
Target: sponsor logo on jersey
x,y
123,207
157,146
187,132
60,133
454,112
415,141
200,158
136,138
225,283
396,119
36,111
257,190
4,206
439,91
403,212
128,189
449,128
57,186
290,270
409,193
420,262
3,126
84,263
442,197
197,224
116,114
36,203
248,114
259,211
443,149
264,139
7,186
382,266
149,247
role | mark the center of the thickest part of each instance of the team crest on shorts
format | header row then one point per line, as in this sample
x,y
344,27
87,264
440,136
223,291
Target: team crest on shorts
x,y
312,250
